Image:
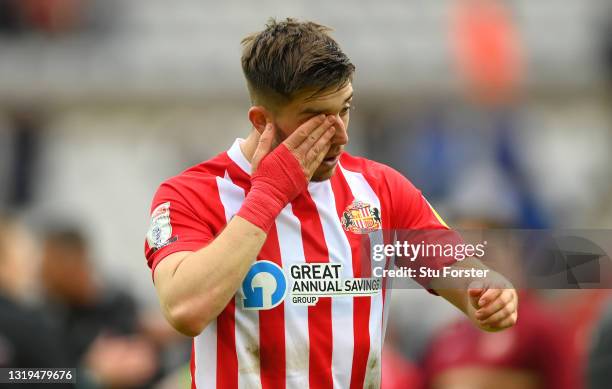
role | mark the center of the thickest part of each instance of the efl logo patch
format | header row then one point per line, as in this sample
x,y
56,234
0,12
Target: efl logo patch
x,y
160,231
361,218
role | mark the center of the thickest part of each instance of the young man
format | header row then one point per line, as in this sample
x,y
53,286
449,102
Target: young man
x,y
228,235
28,338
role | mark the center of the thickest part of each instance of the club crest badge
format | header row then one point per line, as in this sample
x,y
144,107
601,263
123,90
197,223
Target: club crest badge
x,y
361,218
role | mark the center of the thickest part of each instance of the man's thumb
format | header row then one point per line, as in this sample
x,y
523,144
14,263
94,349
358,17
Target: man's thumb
x,y
264,146
475,290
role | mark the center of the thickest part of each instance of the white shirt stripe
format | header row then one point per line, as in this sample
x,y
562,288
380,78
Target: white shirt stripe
x,y
297,346
235,154
205,352
342,306
247,321
362,190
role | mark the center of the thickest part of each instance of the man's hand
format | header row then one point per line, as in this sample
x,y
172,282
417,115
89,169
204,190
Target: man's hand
x,y
491,303
309,143
490,308
282,174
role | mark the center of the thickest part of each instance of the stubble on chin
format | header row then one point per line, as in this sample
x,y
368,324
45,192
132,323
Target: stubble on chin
x,y
324,175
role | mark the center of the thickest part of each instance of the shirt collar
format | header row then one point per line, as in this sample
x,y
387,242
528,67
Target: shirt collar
x,y
236,155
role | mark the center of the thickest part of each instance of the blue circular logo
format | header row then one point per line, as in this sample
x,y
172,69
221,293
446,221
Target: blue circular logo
x,y
264,286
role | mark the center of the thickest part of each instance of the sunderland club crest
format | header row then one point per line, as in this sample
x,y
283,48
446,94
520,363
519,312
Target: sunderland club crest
x,y
361,218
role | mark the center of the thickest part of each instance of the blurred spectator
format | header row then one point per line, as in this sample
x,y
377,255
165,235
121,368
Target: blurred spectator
x,y
581,310
100,327
26,337
19,140
10,22
398,372
535,353
26,128
487,49
47,16
52,16
607,43
599,372
468,154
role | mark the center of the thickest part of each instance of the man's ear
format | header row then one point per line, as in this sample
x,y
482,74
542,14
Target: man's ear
x,y
259,117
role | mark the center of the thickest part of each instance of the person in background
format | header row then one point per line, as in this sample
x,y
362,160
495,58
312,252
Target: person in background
x,y
398,372
99,325
534,354
27,338
599,374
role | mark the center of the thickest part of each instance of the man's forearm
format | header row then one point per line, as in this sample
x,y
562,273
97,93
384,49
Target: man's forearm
x,y
454,290
201,284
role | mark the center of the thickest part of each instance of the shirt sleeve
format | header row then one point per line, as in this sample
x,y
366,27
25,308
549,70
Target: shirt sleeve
x,y
174,226
415,221
410,208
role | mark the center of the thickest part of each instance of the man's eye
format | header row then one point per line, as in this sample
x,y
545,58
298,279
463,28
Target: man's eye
x,y
345,110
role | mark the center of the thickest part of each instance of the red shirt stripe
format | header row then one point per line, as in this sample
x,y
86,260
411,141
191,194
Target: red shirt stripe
x,y
319,315
272,328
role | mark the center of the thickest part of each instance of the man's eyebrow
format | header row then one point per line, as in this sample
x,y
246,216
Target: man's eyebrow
x,y
316,111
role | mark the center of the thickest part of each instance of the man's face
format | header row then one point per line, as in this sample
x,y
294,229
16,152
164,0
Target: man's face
x,y
306,106
65,272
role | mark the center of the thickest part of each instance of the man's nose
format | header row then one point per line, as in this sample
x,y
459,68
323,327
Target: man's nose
x,y
341,136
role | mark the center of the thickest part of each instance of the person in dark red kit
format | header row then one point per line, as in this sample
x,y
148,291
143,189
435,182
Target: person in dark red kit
x,y
534,354
227,236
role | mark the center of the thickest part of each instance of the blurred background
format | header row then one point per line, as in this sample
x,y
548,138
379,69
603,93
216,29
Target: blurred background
x,y
499,111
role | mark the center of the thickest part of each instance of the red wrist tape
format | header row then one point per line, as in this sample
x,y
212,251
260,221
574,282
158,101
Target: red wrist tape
x,y
278,180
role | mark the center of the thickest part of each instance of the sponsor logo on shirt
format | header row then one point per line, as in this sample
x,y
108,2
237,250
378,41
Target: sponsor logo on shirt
x,y
314,280
361,218
264,286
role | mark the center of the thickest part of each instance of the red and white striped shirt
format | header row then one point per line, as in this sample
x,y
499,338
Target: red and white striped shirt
x,y
268,341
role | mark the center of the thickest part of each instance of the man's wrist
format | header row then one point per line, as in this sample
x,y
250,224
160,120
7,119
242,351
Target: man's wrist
x,y
260,209
278,180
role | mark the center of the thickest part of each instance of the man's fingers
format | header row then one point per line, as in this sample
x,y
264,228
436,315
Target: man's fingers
x,y
503,298
509,311
315,155
507,322
302,133
266,140
498,305
317,161
475,290
313,138
264,145
502,325
488,296
504,312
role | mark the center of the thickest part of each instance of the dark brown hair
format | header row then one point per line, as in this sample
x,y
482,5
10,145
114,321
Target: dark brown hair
x,y
289,57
